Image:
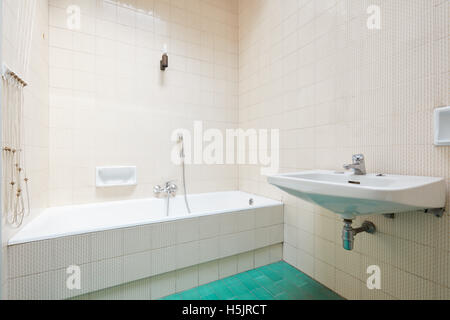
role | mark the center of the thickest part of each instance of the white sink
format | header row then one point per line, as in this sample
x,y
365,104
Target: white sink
x,y
351,195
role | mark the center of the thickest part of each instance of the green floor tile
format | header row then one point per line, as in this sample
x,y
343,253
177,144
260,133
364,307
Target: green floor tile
x,y
249,281
255,273
247,296
205,290
262,294
274,289
278,281
274,276
222,291
211,297
231,281
299,281
293,291
239,289
283,296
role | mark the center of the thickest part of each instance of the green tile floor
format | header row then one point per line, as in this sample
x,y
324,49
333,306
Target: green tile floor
x,y
278,281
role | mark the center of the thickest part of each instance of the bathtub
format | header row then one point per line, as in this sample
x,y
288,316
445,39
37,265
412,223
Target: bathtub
x,y
116,243
74,220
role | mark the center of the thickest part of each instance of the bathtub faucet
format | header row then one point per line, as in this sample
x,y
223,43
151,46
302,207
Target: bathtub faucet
x,y
169,190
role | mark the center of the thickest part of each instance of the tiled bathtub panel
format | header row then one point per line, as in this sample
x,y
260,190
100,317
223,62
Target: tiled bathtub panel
x,y
245,220
40,256
137,239
275,253
227,224
4,271
30,258
187,254
209,227
73,250
264,256
187,230
98,246
186,278
106,274
163,235
208,272
236,243
246,261
164,284
43,286
265,236
173,282
164,260
111,258
269,216
50,285
228,266
209,249
107,244
138,266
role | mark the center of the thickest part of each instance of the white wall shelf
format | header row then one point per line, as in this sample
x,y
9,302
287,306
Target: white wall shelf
x,y
442,126
115,176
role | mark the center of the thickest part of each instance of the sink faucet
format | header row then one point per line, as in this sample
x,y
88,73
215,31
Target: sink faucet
x,y
169,190
358,165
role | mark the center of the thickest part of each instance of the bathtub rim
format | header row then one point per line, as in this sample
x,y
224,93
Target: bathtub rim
x,y
24,241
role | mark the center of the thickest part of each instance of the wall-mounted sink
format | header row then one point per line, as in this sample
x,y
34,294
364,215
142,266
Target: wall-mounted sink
x,y
350,195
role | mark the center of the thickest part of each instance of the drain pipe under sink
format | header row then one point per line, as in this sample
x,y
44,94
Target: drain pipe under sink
x,y
349,233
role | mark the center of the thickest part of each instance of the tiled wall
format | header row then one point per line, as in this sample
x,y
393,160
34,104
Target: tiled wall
x,y
111,105
112,258
308,67
335,88
36,106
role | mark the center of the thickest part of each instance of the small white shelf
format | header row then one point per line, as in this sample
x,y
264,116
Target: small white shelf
x,y
442,126
115,176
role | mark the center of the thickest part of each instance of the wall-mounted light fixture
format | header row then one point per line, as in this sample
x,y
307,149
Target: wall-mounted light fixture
x,y
165,59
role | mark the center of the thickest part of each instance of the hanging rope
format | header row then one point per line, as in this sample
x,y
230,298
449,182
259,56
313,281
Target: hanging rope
x,y
16,199
14,176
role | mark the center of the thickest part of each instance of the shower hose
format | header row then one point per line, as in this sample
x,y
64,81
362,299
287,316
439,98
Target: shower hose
x,y
184,186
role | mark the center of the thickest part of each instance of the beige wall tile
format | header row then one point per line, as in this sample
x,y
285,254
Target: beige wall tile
x,y
335,88
114,58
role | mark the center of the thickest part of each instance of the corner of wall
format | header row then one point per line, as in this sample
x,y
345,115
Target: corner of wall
x,y
3,274
35,115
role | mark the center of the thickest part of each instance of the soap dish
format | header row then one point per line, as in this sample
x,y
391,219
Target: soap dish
x,y
442,126
115,176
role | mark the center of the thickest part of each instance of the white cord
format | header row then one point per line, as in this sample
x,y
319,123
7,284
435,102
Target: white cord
x,y
13,165
183,176
13,153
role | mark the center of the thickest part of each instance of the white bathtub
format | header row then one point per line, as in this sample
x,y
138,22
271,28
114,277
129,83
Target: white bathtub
x,y
75,220
121,242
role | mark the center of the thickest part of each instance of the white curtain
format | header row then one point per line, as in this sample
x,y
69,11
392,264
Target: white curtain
x,y
25,22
